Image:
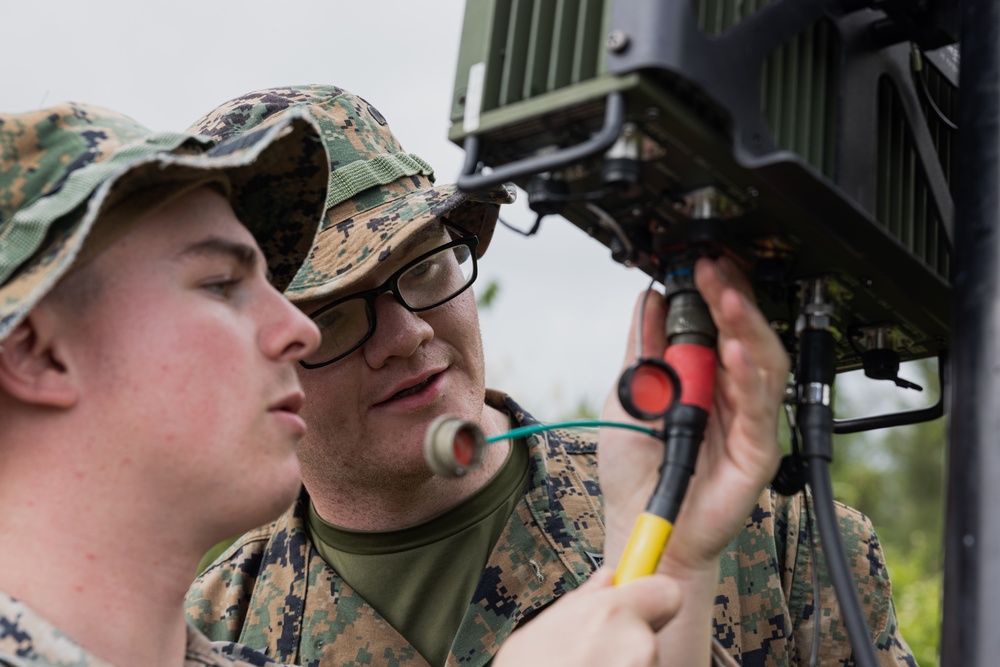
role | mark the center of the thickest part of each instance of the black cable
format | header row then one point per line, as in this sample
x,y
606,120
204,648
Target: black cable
x,y
596,195
917,69
930,102
796,455
818,472
815,421
791,476
642,317
530,232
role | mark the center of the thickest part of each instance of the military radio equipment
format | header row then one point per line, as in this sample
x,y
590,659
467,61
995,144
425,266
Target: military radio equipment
x,y
813,141
808,137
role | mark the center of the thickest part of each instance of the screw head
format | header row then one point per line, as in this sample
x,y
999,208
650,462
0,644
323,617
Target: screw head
x,y
617,41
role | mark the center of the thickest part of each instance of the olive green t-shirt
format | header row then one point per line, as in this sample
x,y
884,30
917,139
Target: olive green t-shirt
x,y
421,579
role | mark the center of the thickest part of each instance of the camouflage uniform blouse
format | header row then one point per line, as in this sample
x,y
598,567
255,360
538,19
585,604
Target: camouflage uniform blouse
x,y
272,591
28,640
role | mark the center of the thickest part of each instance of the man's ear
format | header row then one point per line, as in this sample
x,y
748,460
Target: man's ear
x,y
32,361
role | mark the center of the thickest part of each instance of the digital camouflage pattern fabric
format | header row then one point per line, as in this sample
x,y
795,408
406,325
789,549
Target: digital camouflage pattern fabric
x,y
378,194
273,592
28,640
764,607
63,168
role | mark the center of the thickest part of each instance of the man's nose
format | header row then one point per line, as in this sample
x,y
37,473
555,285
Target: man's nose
x,y
398,332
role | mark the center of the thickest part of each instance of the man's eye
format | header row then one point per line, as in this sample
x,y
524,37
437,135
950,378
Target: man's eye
x,y
222,287
419,270
426,268
329,319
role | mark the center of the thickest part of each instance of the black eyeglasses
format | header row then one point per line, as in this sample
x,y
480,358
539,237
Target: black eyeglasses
x,y
431,279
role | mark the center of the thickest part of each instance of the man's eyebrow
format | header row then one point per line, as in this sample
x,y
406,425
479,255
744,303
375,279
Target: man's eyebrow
x,y
246,255
427,233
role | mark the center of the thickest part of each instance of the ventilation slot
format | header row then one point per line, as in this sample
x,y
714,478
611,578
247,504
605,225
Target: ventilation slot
x,y
798,93
717,16
547,45
903,202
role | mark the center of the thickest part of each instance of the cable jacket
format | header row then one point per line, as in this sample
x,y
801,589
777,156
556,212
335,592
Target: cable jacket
x,y
836,562
644,548
695,366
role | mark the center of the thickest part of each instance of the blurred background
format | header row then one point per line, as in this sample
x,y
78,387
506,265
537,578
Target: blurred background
x,y
555,307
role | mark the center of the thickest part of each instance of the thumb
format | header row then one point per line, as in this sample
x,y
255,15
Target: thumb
x,y
653,309
655,599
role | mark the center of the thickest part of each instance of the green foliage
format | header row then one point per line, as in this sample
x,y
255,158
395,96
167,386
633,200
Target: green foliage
x,y
583,410
897,477
487,294
916,590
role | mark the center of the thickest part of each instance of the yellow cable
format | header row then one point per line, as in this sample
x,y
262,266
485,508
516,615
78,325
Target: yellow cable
x,y
645,546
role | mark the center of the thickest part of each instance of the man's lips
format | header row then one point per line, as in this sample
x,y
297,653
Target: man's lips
x,y
287,411
291,402
409,387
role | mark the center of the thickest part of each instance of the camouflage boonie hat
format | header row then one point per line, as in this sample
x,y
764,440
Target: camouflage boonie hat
x,y
63,168
379,195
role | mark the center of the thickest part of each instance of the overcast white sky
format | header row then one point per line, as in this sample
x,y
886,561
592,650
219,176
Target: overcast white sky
x,y
555,334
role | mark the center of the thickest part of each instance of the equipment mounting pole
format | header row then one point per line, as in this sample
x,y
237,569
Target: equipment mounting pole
x,y
972,518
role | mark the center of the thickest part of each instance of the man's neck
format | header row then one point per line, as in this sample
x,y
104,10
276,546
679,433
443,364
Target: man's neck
x,y
408,502
106,583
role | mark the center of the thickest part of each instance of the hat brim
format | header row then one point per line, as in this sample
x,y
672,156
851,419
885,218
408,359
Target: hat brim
x,y
332,268
278,174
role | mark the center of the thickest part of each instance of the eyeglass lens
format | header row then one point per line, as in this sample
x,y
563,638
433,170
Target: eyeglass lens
x,y
427,282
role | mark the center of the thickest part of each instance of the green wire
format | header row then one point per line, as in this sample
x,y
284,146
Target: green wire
x,y
529,430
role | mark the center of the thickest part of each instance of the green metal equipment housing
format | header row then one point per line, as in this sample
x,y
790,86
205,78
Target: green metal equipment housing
x,y
820,151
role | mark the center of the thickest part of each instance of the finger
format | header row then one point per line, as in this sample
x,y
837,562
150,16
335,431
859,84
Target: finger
x,y
718,279
726,291
728,273
654,324
601,578
758,396
655,599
